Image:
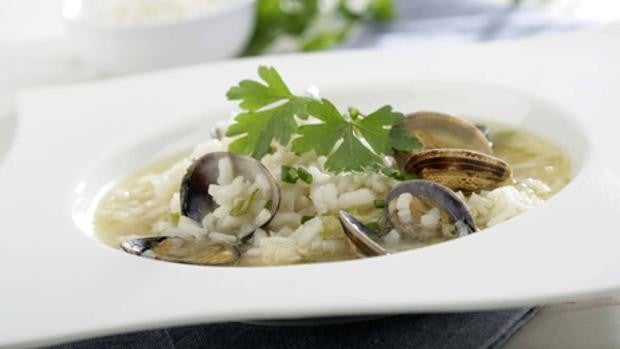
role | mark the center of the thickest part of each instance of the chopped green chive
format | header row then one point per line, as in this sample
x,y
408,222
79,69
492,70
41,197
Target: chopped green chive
x,y
372,226
304,219
289,174
174,217
269,205
304,175
400,176
380,203
243,206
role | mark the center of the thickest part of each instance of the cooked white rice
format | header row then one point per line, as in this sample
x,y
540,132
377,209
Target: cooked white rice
x,y
154,198
148,12
498,205
285,239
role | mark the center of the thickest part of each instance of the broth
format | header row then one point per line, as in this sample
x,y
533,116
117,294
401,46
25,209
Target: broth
x,y
135,208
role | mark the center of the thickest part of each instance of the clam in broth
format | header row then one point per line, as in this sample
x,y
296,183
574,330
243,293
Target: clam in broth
x,y
306,227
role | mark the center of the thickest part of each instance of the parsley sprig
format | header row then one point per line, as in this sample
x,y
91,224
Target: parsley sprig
x,y
261,121
351,141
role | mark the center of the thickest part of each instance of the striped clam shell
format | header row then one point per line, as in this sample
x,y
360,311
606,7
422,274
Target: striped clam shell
x,y
459,169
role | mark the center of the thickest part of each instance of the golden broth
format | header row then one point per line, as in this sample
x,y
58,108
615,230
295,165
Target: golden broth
x,y
133,208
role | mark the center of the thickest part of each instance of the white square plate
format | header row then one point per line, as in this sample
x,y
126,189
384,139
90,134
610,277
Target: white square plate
x,y
59,283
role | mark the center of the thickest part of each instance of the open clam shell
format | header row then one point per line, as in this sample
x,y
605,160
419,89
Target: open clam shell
x,y
359,236
438,196
181,250
439,130
197,202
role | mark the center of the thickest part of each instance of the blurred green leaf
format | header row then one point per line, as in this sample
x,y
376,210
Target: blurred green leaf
x,y
383,10
299,20
325,40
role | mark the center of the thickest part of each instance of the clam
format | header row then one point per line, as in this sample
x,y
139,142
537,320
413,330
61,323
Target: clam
x,y
438,130
456,153
182,250
409,206
360,236
197,202
459,169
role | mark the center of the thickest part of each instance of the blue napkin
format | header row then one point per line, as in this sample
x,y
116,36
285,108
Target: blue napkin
x,y
426,23
456,330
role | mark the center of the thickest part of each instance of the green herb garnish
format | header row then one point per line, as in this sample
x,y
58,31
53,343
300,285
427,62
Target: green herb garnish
x,y
242,206
289,174
359,144
379,203
351,142
400,176
174,217
262,119
304,219
374,226
304,175
310,24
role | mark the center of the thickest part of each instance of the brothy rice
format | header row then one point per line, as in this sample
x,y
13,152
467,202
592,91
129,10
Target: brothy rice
x,y
306,228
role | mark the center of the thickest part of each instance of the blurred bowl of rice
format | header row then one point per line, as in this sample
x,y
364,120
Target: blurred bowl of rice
x,y
121,36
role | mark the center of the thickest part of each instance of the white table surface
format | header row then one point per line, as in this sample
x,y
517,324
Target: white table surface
x,y
34,56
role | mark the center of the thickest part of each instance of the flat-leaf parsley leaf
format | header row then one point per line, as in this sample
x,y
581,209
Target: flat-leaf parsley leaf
x,y
359,141
269,113
351,142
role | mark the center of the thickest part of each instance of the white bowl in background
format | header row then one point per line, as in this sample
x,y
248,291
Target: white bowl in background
x,y
117,49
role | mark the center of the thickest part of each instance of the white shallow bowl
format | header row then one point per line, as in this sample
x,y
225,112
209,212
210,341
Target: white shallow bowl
x,y
222,33
59,283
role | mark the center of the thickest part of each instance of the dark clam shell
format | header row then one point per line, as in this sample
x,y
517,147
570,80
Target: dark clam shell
x,y
440,196
359,235
196,202
181,250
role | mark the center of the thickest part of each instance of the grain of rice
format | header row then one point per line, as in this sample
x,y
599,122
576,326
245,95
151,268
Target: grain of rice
x,y
288,219
215,236
392,238
430,220
403,203
324,197
357,198
225,171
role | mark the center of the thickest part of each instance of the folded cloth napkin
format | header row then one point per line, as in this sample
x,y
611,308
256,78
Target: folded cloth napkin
x,y
456,330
